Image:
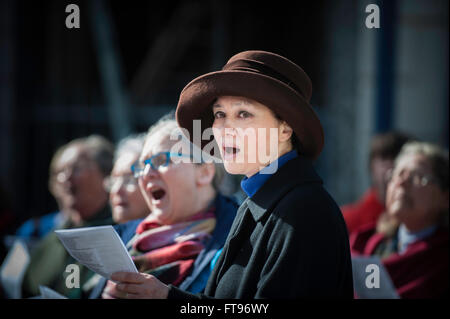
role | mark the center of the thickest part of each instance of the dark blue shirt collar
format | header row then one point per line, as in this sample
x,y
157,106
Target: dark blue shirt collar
x,y
253,184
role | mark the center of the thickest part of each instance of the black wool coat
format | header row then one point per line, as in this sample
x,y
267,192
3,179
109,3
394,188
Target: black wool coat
x,y
289,240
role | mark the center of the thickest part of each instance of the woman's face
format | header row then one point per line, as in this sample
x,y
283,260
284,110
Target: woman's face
x,y
248,134
125,197
412,200
379,168
78,182
170,191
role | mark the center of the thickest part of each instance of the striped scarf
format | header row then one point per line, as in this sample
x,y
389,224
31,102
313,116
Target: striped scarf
x,y
168,251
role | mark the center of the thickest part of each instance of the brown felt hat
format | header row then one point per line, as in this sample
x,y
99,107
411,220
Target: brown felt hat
x,y
266,77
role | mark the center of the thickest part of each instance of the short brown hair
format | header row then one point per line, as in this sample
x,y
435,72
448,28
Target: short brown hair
x,y
387,145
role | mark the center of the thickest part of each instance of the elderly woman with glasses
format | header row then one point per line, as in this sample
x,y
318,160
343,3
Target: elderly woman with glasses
x,y
416,253
189,217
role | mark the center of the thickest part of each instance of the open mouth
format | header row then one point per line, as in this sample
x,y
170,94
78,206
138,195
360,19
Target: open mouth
x,y
158,194
230,150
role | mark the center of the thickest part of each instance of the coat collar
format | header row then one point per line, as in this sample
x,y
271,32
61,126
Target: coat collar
x,y
251,185
295,172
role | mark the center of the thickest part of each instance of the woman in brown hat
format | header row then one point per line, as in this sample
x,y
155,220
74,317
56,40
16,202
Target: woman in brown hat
x,y
288,239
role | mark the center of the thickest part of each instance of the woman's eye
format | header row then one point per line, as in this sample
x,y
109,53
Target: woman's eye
x,y
219,115
244,114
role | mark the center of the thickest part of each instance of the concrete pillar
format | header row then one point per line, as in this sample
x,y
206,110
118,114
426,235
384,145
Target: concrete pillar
x,y
367,42
421,75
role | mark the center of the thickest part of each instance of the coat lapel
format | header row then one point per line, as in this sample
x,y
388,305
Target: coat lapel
x,y
297,171
220,266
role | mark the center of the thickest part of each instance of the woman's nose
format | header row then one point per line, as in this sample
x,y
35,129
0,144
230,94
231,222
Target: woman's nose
x,y
118,187
226,122
230,123
229,128
149,173
229,131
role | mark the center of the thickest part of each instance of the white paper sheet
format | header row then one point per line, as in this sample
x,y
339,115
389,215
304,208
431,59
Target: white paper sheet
x,y
98,248
13,269
48,293
361,272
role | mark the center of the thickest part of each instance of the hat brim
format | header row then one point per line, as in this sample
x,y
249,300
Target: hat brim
x,y
197,97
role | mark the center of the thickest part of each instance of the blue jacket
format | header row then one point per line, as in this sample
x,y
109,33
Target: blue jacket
x,y
38,227
225,212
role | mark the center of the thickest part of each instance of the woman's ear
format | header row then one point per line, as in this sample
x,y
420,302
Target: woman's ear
x,y
204,174
285,132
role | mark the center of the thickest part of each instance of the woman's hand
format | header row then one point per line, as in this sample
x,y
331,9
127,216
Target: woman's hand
x,y
135,286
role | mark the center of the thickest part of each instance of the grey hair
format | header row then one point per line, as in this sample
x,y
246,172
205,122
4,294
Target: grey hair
x,y
100,150
131,144
437,156
167,126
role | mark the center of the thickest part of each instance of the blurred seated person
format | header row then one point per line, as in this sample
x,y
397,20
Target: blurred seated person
x,y
125,197
37,227
7,217
189,220
7,221
383,150
79,172
416,254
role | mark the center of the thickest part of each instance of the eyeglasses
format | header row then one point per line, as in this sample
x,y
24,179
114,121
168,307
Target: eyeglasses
x,y
415,178
75,169
115,182
158,160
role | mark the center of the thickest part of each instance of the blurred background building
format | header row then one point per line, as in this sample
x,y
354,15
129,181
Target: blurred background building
x,y
127,63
